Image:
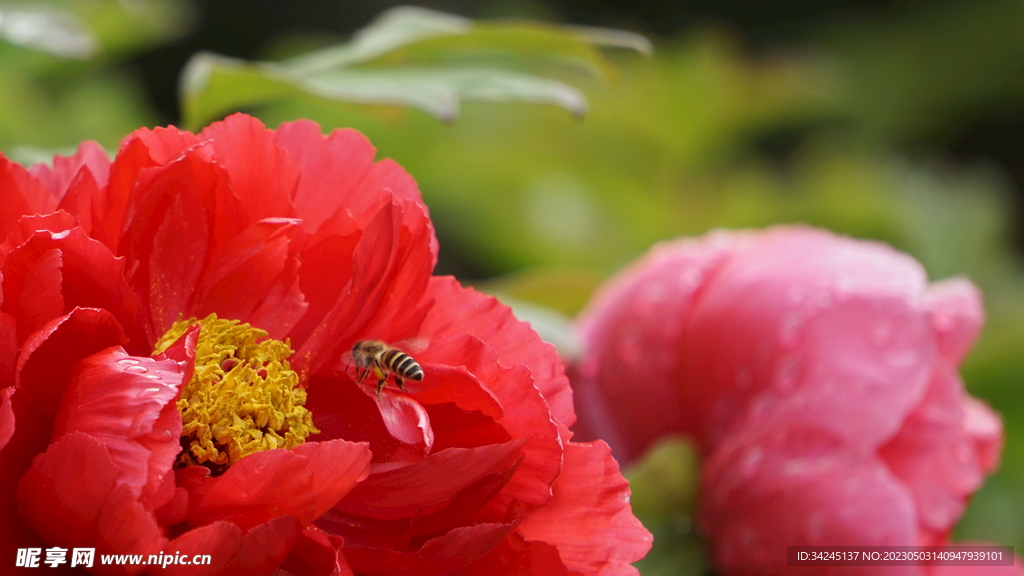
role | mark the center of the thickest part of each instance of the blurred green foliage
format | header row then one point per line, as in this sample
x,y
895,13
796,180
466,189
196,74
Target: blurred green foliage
x,y
539,206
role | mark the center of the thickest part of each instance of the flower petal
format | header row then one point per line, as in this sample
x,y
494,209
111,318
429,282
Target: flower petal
x,y
808,328
399,491
517,556
514,341
221,540
935,457
441,555
589,519
6,416
90,159
264,548
48,357
257,488
128,404
765,490
331,168
337,466
63,493
633,327
242,274
317,553
957,316
262,175
83,271
23,194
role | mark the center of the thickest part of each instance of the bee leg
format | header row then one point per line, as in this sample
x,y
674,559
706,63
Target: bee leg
x,y
360,374
399,381
380,386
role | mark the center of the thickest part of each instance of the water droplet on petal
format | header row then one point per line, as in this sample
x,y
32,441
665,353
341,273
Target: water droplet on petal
x,y
137,370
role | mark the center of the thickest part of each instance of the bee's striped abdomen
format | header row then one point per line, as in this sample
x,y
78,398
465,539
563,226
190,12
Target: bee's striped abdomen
x,y
401,364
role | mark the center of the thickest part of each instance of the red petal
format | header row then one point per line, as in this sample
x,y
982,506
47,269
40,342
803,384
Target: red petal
x,y
6,416
342,410
283,306
49,356
257,488
405,419
262,175
62,494
140,150
241,274
90,159
88,276
337,466
317,554
517,556
331,168
220,540
127,526
765,490
27,226
32,290
589,518
441,555
23,194
398,491
525,415
128,404
459,310
264,548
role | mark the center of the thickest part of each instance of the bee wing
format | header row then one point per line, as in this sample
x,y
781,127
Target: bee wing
x,y
412,346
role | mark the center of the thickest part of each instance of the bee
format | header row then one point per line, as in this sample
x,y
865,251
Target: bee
x,y
380,359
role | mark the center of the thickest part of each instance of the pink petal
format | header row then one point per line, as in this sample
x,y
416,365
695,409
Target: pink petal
x,y
765,490
956,315
934,457
589,519
983,425
807,328
632,328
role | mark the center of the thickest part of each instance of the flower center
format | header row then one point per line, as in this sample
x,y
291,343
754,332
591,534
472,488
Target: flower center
x,y
243,396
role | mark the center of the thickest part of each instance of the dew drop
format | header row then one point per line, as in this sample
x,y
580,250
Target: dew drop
x,y
148,392
137,370
128,362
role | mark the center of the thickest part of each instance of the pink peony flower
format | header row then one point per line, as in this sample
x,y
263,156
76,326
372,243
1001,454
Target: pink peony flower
x,y
818,375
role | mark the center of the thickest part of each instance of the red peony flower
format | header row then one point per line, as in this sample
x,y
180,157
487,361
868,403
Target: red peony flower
x,y
176,377
818,375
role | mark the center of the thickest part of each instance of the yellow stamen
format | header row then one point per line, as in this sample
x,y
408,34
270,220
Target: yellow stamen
x,y
243,397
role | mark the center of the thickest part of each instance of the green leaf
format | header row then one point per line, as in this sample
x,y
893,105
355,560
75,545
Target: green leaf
x,y
47,29
415,58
